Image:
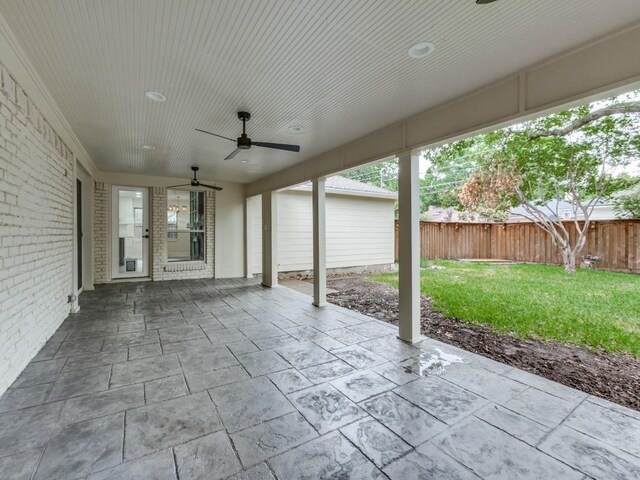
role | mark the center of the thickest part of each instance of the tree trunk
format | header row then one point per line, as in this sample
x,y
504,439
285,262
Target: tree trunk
x,y
569,259
570,263
570,266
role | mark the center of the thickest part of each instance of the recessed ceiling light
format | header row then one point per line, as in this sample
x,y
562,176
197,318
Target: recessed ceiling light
x,y
484,2
421,49
155,96
148,147
244,161
295,128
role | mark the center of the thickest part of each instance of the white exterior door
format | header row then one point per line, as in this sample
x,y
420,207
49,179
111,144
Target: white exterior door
x,y
130,232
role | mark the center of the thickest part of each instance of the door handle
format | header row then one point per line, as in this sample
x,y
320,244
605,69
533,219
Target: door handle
x,y
145,236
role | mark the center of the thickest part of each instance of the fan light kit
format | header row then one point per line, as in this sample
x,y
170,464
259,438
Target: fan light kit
x,y
243,142
176,208
196,183
155,96
421,49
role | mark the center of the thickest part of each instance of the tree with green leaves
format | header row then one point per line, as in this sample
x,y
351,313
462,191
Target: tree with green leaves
x,y
382,174
441,181
626,204
576,155
438,185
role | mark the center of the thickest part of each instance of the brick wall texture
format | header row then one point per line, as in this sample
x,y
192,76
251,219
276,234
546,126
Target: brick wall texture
x,y
36,229
100,233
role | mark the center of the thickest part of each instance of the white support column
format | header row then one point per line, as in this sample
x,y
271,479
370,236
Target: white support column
x,y
269,239
248,238
409,247
319,244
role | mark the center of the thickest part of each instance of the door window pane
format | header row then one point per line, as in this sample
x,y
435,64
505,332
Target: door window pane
x,y
185,226
130,231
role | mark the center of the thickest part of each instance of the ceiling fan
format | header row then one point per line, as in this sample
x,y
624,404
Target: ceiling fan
x,y
196,183
243,142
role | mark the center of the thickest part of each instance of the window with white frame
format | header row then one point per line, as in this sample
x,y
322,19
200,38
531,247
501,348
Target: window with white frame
x,y
185,226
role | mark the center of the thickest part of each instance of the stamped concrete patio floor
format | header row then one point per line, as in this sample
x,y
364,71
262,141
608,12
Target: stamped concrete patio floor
x,y
226,379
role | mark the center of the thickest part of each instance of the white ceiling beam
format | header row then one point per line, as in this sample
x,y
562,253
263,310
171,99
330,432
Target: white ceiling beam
x,y
608,64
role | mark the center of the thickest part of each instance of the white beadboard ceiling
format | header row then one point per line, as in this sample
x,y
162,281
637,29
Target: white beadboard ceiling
x,y
337,68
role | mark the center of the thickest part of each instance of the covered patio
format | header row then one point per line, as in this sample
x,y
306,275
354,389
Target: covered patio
x,y
134,342
227,379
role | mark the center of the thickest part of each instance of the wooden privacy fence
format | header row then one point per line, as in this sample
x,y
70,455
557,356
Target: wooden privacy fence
x,y
615,242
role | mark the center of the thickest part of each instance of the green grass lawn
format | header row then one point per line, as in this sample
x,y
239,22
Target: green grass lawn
x,y
591,308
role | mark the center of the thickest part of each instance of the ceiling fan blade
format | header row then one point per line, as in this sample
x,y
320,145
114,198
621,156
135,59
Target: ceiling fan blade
x,y
217,189
176,186
232,154
215,135
279,146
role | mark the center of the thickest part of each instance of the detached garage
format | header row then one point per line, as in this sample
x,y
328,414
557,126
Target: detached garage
x,y
359,219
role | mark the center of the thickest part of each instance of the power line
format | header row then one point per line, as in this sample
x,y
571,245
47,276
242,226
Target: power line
x,y
382,177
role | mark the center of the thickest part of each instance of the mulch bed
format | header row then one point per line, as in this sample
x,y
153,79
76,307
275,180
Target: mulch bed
x,y
615,377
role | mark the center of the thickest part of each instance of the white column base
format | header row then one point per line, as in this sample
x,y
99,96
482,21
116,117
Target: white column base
x,y
412,341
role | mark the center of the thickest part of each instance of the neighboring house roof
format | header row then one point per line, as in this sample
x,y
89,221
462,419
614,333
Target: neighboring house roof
x,y
562,207
347,186
343,183
440,214
602,211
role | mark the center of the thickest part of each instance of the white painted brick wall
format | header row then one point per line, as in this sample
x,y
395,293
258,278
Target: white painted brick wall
x,y
158,232
36,229
100,232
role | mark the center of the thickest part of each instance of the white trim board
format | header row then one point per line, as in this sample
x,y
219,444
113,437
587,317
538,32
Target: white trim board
x,y
607,65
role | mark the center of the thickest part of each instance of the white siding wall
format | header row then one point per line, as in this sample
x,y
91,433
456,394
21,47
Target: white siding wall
x,y
295,232
603,212
359,231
